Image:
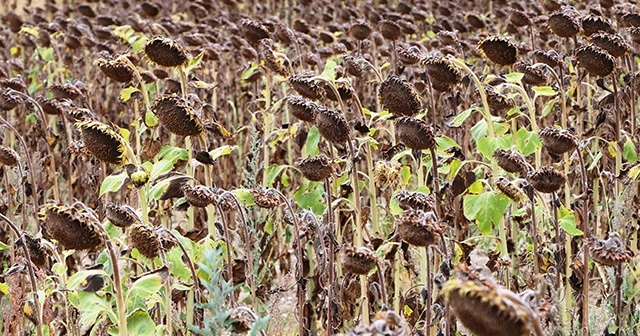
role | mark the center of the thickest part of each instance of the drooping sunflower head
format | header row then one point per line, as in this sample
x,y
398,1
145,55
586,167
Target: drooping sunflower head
x,y
165,52
72,228
177,116
102,141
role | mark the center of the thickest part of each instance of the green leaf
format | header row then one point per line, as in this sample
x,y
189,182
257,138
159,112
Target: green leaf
x,y
311,145
4,246
486,146
76,280
4,288
150,119
250,70
567,221
194,62
486,209
543,91
59,269
634,171
46,54
405,175
527,142
178,267
460,118
444,142
144,287
91,306
272,173
548,107
112,183
310,195
243,196
629,151
172,153
514,77
222,151
29,30
125,94
329,71
140,323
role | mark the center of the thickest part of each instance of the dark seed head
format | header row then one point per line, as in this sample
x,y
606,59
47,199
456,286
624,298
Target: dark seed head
x,y
509,189
609,252
103,143
550,57
8,101
389,30
316,168
177,116
518,18
592,24
415,133
8,156
66,91
614,44
499,50
199,196
399,97
440,70
408,56
547,179
419,228
275,63
52,106
596,61
302,108
73,229
532,75
498,101
332,125
36,250
121,216
358,260
266,198
503,314
143,238
306,86
165,52
285,35
415,200
558,141
253,31
344,90
360,31
475,21
563,24
118,70
509,160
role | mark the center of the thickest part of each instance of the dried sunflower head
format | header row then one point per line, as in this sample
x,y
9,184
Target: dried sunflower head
x,y
497,101
609,252
441,71
415,200
549,57
121,216
65,91
8,156
419,228
614,44
8,101
547,179
253,31
409,56
509,189
592,24
266,198
360,31
332,125
37,252
387,174
276,62
518,18
399,97
532,75
306,86
558,141
102,141
302,108
597,61
72,228
499,50
177,116
118,70
199,196
315,168
503,313
564,24
415,133
510,160
145,239
165,52
358,260
389,30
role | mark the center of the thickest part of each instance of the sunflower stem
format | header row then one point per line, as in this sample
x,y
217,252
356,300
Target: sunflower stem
x,y
32,275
